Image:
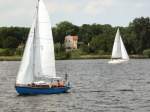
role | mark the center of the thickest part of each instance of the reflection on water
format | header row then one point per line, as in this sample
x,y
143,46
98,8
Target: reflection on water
x,y
97,87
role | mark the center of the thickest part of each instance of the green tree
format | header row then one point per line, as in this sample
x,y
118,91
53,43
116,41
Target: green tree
x,y
141,28
62,29
10,42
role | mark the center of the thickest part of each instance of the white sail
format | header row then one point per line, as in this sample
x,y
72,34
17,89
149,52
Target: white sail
x,y
116,52
25,74
119,53
38,61
44,47
123,50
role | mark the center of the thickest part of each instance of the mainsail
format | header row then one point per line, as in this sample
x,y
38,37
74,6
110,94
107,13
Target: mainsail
x,y
38,60
119,50
116,52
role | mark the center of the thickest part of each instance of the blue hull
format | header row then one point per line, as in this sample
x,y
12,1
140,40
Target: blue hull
x,y
35,91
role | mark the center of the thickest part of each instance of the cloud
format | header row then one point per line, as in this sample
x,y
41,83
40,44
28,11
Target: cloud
x,y
139,5
115,12
95,7
16,12
67,7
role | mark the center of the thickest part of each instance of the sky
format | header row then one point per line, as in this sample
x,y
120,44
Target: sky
x,y
114,12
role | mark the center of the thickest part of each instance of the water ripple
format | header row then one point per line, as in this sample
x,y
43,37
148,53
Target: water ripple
x,y
97,87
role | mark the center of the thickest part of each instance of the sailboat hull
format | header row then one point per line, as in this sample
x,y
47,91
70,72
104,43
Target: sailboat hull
x,y
117,61
34,91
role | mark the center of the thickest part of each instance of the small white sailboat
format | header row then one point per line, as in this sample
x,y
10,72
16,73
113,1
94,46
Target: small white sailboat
x,y
119,53
37,74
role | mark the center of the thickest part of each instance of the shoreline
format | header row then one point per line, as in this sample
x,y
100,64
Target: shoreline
x,y
10,58
18,58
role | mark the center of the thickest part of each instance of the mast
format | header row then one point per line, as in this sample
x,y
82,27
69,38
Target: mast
x,y
33,52
35,34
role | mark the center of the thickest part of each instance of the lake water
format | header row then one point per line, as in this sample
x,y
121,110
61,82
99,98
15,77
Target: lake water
x,y
97,87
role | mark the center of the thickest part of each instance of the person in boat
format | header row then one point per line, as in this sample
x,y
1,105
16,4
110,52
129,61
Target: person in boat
x,y
54,84
60,83
33,84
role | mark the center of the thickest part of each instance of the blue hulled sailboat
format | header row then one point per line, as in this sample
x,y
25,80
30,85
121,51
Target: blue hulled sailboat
x,y
37,74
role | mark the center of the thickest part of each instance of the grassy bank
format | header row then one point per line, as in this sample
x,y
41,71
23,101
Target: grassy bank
x,y
107,57
10,58
18,58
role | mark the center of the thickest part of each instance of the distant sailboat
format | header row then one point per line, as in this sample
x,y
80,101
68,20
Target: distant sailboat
x,y
119,53
37,74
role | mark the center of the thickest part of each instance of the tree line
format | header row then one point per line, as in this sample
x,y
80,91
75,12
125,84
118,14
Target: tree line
x,y
92,37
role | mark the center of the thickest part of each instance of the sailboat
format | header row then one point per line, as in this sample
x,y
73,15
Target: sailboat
x,y
119,53
37,74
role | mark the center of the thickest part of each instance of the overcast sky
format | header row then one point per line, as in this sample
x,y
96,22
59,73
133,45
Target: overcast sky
x,y
114,12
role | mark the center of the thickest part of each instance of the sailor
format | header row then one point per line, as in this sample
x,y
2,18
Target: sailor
x,y
58,82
